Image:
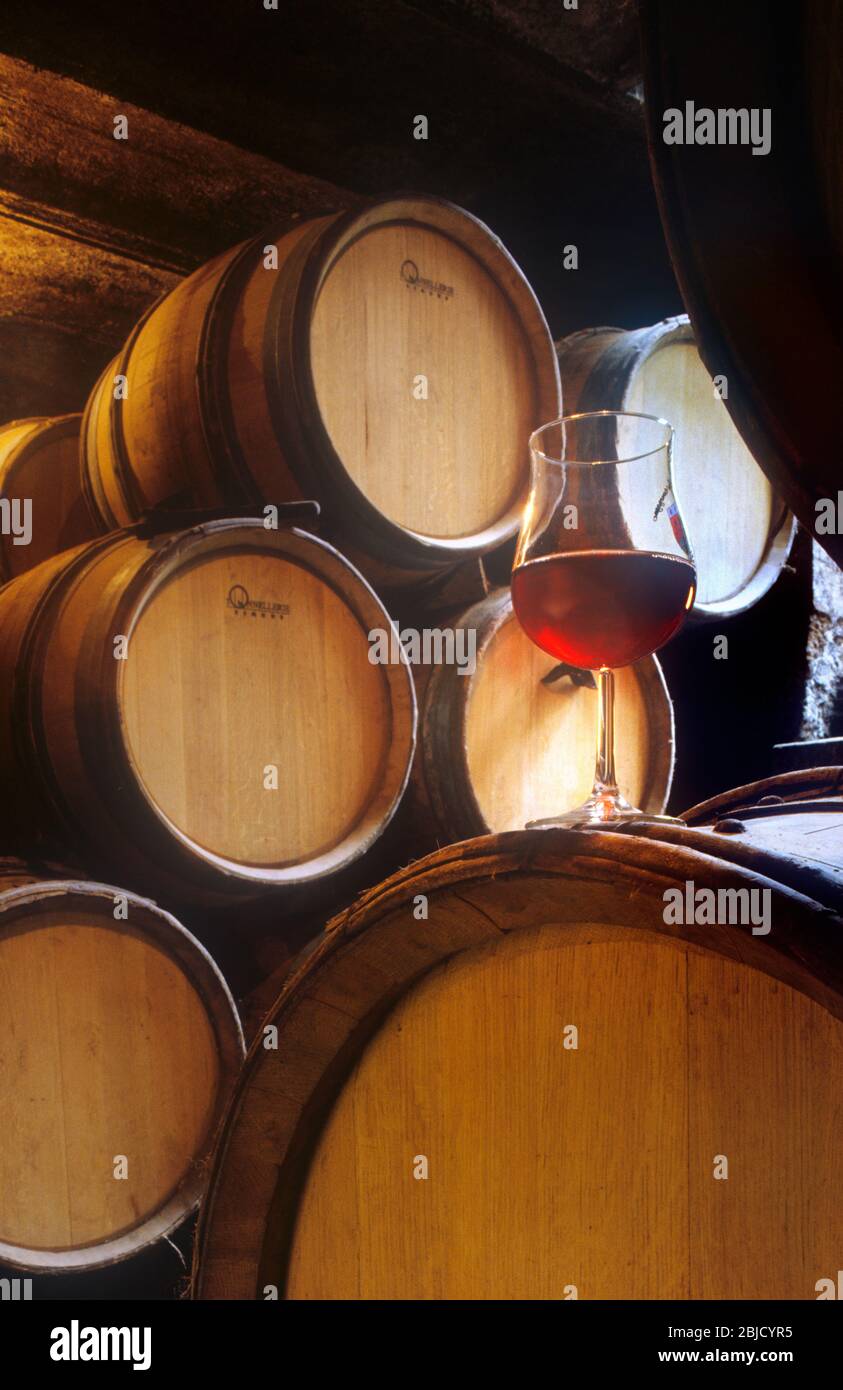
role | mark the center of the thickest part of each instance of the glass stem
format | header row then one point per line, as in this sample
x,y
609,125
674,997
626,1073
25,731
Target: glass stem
x,y
605,781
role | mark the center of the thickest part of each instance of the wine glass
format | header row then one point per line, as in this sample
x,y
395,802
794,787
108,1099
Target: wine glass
x,y
603,572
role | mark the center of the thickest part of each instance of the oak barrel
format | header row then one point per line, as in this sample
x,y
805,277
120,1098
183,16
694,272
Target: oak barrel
x,y
390,363
498,747
739,529
196,713
756,239
39,467
119,1045
507,1061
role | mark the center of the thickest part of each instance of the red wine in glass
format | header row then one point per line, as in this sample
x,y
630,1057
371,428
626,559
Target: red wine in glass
x,y
603,573
602,609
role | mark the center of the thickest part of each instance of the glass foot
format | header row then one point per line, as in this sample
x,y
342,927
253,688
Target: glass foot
x,y
603,810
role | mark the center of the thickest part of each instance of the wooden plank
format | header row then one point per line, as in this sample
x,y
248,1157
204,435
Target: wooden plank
x,y
167,194
93,230
52,279
65,308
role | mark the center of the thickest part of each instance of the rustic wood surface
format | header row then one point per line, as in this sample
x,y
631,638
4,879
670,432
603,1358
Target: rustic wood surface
x,y
603,1177
804,784
285,73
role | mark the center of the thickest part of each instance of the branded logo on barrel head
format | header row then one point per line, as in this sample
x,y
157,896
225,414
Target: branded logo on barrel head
x,y
244,606
414,280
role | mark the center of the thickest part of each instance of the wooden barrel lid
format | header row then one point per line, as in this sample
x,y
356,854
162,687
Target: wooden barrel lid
x,y
121,1044
247,660
259,736
500,748
508,1163
416,288
738,527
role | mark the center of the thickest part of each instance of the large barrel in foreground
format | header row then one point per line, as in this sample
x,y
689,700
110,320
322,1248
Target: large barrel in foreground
x,y
39,469
119,1045
197,715
739,529
505,743
390,363
567,1063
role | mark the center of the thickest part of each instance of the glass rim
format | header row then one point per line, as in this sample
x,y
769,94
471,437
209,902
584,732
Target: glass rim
x,y
594,415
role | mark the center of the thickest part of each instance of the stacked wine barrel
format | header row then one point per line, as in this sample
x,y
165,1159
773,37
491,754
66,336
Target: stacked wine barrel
x,y
190,713
192,709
